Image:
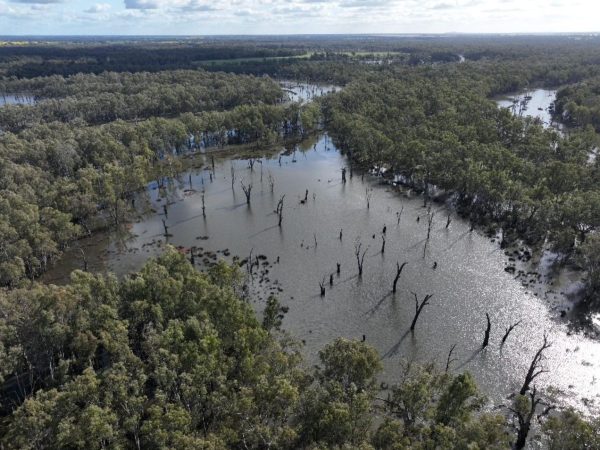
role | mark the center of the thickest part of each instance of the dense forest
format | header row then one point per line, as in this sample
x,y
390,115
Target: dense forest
x,y
170,357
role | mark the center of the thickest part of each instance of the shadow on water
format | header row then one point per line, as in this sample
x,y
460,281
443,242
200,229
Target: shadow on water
x,y
396,347
374,309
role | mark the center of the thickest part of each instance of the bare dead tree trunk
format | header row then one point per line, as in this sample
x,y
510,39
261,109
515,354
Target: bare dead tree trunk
x,y
338,268
203,206
486,337
232,176
419,308
399,269
429,224
368,194
360,257
251,162
508,331
399,215
450,360
249,264
315,239
271,181
341,233
279,209
448,221
343,175
322,286
247,191
383,243
534,368
85,261
165,227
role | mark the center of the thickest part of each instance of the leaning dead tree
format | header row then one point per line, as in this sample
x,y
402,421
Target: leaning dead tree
x,y
382,243
486,337
419,308
508,331
399,269
524,414
360,257
279,210
232,176
534,368
450,360
247,191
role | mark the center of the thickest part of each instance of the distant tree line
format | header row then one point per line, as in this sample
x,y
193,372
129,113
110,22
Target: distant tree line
x,y
110,96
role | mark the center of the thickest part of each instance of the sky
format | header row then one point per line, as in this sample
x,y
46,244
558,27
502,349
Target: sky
x,y
210,17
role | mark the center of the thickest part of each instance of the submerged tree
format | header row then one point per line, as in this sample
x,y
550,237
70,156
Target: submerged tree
x,y
360,257
534,368
247,191
399,269
279,210
368,196
508,331
419,308
486,337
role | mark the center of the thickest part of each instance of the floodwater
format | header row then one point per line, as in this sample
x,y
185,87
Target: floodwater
x,y
305,92
535,103
468,282
16,99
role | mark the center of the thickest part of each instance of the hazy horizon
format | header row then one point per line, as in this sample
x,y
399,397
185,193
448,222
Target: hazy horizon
x,y
279,17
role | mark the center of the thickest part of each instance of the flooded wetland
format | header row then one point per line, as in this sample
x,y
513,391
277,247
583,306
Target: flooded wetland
x,y
323,222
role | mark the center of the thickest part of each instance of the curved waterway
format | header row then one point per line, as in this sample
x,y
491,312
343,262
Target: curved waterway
x,y
536,103
468,282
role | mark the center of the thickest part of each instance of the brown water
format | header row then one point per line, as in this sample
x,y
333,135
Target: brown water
x,y
469,280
